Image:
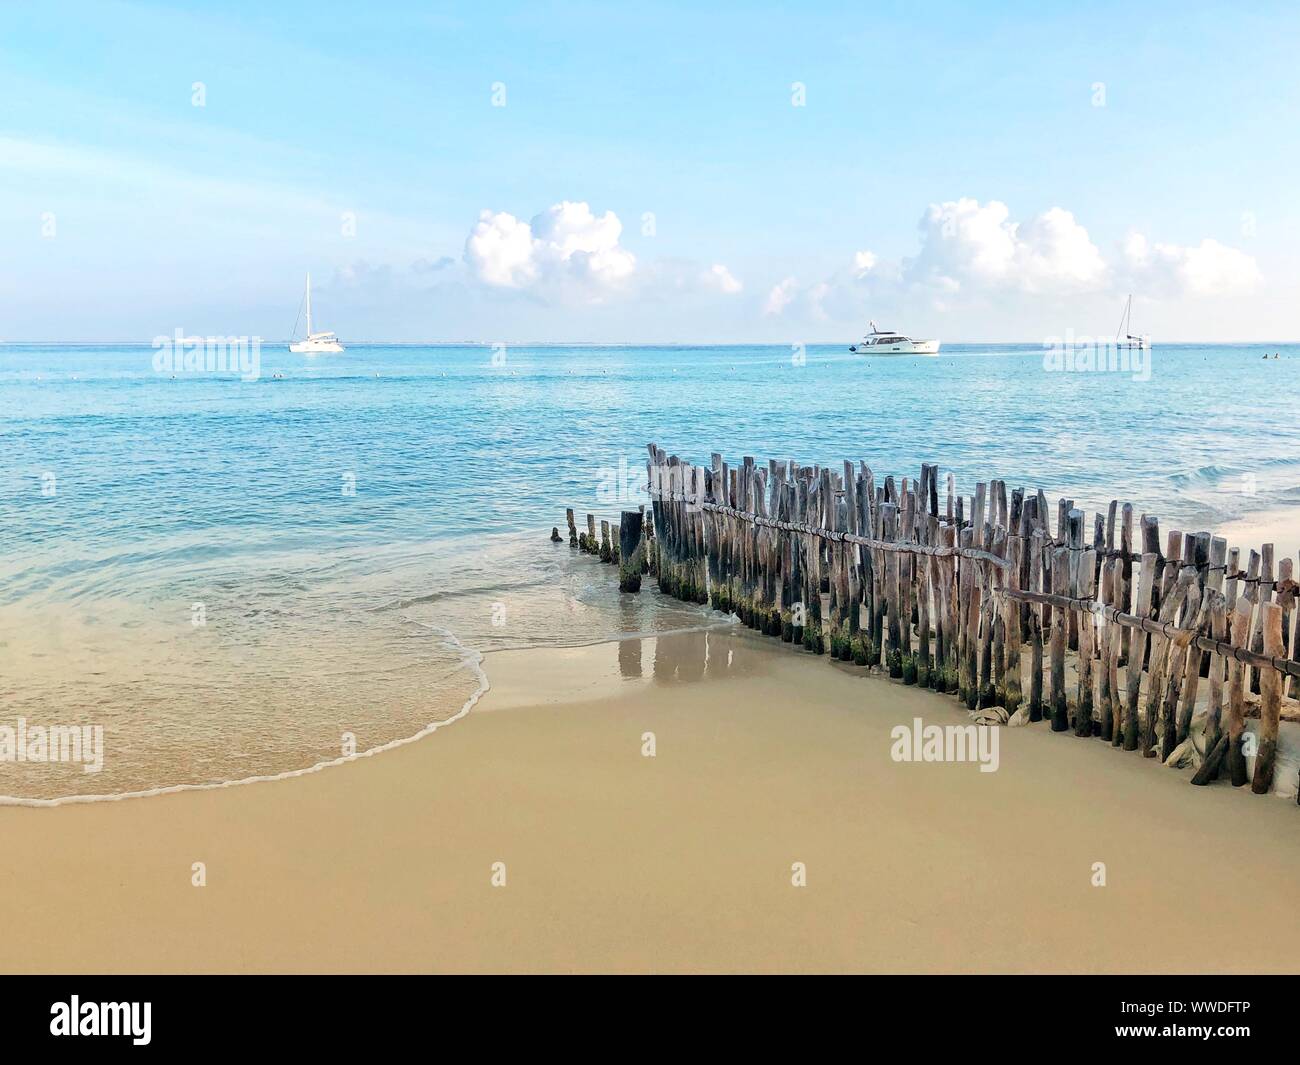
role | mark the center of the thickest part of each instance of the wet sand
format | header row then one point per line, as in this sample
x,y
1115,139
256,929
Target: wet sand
x,y
682,862
1279,526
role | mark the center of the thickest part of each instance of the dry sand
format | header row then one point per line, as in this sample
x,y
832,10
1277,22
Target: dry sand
x,y
680,862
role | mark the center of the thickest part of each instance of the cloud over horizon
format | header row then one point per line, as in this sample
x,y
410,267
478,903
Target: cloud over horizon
x,y
567,254
972,252
566,249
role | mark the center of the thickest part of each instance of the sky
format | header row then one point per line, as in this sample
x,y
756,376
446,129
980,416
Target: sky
x,y
649,173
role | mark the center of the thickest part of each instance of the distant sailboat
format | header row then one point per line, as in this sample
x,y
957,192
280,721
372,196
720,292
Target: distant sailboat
x,y
315,343
1125,339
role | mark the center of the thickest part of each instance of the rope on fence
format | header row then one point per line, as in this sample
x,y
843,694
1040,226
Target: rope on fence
x,y
935,551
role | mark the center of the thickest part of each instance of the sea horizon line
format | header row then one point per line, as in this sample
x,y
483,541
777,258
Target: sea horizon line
x,y
27,342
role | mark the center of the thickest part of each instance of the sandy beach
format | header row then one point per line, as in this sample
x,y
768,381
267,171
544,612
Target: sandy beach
x,y
1279,526
681,862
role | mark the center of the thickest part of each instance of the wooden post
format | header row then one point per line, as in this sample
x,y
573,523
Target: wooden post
x,y
1265,596
1044,560
799,581
947,577
1169,612
972,622
1037,549
1133,671
629,551
1216,740
650,563
1060,635
893,652
1178,656
1087,631
1114,648
1211,554
1126,576
1010,580
573,528
1251,594
906,515
1293,683
1024,580
1285,590
1074,539
990,621
1270,694
1237,695
923,665
853,566
973,596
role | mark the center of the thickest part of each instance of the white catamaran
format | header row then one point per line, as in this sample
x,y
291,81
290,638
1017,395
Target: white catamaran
x,y
883,342
1125,339
315,343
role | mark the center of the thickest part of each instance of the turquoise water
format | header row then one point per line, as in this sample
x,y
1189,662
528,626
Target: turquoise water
x,y
355,526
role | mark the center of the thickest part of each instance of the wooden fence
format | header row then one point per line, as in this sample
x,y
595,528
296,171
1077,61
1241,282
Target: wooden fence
x,y
971,596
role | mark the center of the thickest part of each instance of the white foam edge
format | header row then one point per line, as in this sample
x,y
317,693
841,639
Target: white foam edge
x,y
469,657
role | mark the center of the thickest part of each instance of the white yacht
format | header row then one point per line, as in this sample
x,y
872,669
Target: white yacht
x,y
883,342
1125,339
315,343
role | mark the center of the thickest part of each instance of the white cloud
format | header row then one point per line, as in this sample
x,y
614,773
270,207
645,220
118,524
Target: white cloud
x,y
969,245
779,298
974,253
566,247
499,250
720,278
1208,269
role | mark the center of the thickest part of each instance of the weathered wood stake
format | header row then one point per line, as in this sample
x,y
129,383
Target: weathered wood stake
x,y
629,551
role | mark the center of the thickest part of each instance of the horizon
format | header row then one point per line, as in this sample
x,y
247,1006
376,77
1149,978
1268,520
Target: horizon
x,y
1094,340
454,176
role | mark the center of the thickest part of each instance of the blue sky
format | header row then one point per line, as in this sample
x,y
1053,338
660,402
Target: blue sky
x,y
993,171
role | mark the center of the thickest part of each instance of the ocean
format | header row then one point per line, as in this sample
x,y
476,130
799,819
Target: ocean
x,y
240,579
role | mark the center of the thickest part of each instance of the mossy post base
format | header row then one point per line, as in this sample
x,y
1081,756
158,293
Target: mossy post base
x,y
629,551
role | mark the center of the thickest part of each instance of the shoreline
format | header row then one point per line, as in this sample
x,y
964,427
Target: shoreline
x,y
682,862
472,658
1279,526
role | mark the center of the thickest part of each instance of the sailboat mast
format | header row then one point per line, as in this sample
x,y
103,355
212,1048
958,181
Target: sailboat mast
x,y
309,303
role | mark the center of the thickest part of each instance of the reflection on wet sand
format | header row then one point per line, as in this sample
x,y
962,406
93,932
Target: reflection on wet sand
x,y
683,657
629,651
629,658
